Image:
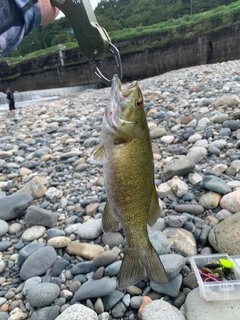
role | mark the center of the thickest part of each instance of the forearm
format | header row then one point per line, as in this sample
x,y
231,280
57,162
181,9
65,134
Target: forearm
x,y
20,17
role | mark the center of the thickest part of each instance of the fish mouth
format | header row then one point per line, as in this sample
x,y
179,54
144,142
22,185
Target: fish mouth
x,y
118,98
114,102
117,87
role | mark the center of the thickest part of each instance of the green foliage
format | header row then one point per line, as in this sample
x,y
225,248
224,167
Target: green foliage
x,y
132,13
129,19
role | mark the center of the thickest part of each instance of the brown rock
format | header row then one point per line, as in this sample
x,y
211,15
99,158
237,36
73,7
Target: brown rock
x,y
236,114
186,119
91,209
134,291
36,187
59,242
155,148
151,112
24,171
84,250
195,89
210,200
210,219
145,301
76,207
4,307
46,157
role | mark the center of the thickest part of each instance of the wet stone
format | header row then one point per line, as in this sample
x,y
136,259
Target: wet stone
x,y
95,288
3,227
14,206
38,262
4,245
43,294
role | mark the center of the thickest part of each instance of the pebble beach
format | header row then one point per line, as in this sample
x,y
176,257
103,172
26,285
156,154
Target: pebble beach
x,y
55,260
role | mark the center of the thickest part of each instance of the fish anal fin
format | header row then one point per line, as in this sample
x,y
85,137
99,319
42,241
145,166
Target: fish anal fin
x,y
98,153
154,210
109,220
137,265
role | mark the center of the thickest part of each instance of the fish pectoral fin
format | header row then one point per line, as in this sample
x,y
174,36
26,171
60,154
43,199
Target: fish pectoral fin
x,y
154,210
98,153
132,132
109,220
138,264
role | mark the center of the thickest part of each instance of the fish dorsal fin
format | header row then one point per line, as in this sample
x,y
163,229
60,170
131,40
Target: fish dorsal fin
x,y
98,153
154,210
109,220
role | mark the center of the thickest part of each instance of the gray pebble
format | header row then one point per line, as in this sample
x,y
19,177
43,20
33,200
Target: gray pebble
x,y
43,294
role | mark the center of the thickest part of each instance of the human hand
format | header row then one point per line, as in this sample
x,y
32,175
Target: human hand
x,y
48,12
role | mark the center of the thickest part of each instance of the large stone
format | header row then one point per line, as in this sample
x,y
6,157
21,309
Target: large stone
x,y
179,166
95,289
181,241
157,133
17,314
36,187
33,233
178,186
38,263
39,216
77,312
200,309
112,239
197,154
84,250
210,200
158,240
47,313
43,294
189,208
112,299
14,206
227,99
173,264
91,229
83,267
225,236
26,251
215,184
231,201
161,310
53,194
3,314
3,227
59,242
171,289
107,257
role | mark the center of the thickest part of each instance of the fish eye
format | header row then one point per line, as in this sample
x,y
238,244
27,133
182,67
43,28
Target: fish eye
x,y
138,104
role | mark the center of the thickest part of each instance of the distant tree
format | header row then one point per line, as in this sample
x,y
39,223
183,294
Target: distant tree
x,y
117,15
60,38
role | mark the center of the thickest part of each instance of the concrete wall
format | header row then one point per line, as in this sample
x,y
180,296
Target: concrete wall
x,y
136,65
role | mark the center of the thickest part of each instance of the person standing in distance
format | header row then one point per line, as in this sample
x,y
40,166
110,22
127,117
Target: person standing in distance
x,y
10,99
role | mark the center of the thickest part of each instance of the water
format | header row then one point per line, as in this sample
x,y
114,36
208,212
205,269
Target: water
x,y
30,98
23,104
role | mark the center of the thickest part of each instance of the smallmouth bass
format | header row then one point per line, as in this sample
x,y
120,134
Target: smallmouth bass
x,y
128,170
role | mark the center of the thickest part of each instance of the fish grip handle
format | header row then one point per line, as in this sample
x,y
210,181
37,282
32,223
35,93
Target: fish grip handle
x,y
92,39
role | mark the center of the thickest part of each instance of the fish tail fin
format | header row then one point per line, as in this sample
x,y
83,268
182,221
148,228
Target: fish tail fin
x,y
137,265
